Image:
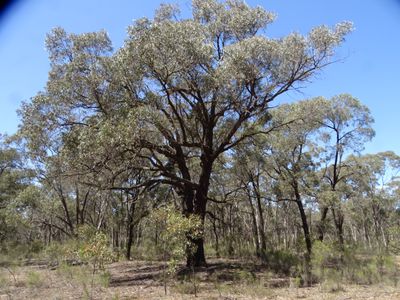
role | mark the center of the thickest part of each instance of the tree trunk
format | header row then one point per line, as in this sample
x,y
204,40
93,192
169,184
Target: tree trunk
x,y
322,226
255,229
216,238
261,231
306,229
130,227
261,222
198,258
338,220
307,237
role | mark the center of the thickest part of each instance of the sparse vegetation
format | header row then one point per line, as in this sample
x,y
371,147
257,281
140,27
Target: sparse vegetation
x,y
34,279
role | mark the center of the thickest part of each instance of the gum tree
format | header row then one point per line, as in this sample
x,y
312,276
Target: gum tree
x,y
178,94
291,160
345,128
374,198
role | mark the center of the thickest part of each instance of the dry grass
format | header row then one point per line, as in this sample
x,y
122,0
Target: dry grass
x,y
223,279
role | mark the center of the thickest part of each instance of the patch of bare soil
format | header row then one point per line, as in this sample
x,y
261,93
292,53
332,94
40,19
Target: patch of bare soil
x,y
222,279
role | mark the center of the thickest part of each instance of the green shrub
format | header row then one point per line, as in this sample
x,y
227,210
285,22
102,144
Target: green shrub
x,y
326,261
245,251
148,251
282,262
34,279
66,271
185,287
177,232
247,277
352,265
90,247
104,279
57,253
4,280
35,247
90,250
176,238
332,282
94,248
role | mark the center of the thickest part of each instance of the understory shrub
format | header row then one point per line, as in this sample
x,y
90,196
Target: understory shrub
x,y
34,279
332,266
281,261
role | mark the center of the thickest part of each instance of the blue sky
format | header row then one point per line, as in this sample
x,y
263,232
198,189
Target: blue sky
x,y
369,67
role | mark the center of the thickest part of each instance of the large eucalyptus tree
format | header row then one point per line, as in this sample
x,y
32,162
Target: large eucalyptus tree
x,y
178,94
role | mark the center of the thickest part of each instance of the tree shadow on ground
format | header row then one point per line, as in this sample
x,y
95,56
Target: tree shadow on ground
x,y
152,274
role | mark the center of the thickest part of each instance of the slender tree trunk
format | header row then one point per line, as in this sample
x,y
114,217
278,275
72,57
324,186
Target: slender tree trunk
x,y
138,234
83,207
339,220
306,231
304,224
366,234
216,238
384,236
261,231
130,229
77,206
255,182
255,229
67,219
322,225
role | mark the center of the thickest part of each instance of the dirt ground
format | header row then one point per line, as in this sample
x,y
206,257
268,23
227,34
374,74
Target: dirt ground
x,y
222,279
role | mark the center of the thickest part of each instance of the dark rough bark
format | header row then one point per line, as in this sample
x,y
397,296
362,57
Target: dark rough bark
x,y
322,226
339,220
263,246
307,237
198,258
116,237
304,224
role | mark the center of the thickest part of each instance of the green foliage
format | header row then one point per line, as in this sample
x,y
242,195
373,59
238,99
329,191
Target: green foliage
x,y
94,247
332,282
148,251
58,253
297,281
242,282
323,253
247,277
4,280
170,102
175,103
89,247
184,287
394,238
282,261
240,276
333,267
67,271
104,279
34,279
83,275
177,234
15,253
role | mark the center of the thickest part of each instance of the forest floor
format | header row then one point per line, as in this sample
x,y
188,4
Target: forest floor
x,y
222,279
